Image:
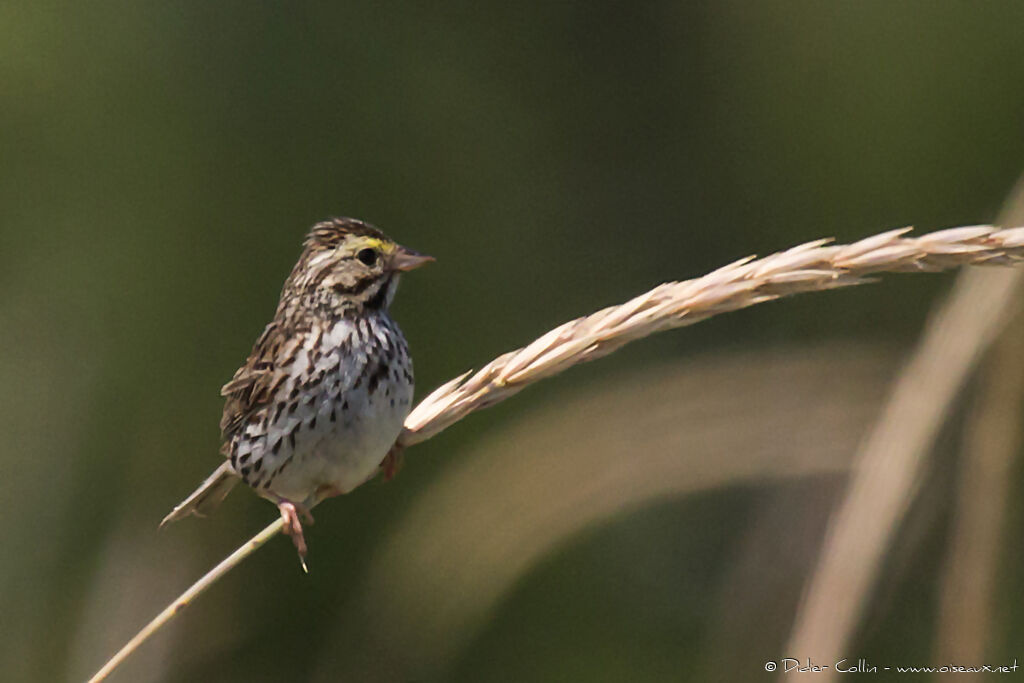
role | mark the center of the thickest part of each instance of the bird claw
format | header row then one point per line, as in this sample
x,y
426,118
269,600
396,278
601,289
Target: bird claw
x,y
290,513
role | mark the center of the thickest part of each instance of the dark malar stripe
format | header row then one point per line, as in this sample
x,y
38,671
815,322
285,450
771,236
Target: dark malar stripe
x,y
356,289
379,298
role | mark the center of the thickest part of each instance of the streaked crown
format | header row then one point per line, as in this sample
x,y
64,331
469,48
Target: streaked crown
x,y
351,265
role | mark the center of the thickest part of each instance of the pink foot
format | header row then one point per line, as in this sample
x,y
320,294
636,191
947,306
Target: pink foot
x,y
290,513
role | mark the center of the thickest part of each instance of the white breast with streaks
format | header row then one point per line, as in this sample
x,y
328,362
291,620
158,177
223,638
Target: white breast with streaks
x,y
338,413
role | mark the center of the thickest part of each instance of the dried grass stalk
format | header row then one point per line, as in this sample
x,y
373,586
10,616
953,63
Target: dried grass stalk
x,y
809,267
813,266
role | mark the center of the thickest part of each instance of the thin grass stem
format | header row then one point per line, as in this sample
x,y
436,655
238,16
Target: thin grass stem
x,y
813,266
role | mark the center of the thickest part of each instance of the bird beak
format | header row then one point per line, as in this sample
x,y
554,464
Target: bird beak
x,y
406,259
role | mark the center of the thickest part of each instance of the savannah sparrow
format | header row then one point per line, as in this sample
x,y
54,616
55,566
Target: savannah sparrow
x,y
321,398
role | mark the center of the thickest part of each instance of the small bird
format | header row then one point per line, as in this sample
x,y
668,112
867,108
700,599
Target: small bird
x,y
317,406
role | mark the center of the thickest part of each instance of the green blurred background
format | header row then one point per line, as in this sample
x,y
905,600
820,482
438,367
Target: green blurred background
x,y
161,163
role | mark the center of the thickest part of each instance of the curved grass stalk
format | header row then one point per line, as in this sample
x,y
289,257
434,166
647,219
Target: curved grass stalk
x,y
813,266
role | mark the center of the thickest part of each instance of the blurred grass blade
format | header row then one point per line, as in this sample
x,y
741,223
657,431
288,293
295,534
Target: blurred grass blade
x,y
989,455
893,456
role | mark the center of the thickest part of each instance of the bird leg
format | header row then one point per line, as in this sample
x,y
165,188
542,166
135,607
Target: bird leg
x,y
392,463
290,513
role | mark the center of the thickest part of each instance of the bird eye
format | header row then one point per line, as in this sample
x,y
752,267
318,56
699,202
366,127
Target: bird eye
x,y
367,256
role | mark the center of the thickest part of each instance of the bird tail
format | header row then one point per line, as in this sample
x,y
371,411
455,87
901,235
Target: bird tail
x,y
208,496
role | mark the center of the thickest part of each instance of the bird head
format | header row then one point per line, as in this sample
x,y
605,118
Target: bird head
x,y
350,264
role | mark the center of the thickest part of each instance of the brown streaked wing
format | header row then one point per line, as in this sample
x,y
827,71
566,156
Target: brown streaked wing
x,y
257,381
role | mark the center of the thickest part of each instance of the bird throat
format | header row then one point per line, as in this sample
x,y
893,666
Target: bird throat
x,y
382,297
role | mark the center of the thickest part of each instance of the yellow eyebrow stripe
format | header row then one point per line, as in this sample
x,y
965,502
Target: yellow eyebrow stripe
x,y
375,243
